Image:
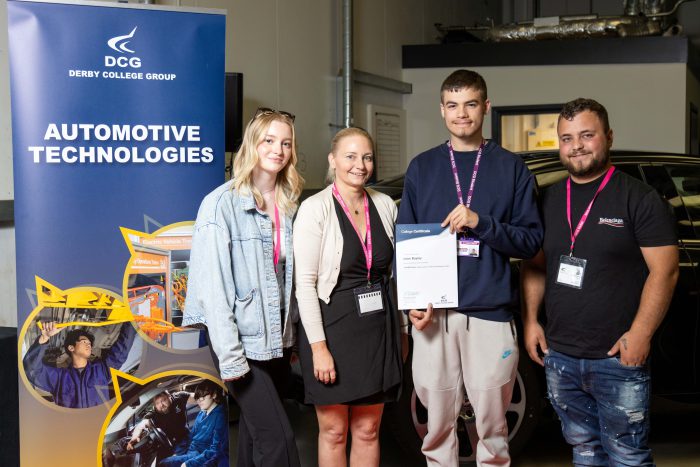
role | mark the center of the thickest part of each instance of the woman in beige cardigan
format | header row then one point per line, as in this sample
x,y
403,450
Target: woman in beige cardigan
x,y
349,344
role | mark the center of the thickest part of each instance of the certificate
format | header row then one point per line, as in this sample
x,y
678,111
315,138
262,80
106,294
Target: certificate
x,y
426,266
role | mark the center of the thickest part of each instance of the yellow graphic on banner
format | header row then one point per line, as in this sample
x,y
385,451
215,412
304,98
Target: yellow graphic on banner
x,y
50,296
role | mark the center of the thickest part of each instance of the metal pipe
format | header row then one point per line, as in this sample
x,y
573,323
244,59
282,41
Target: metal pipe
x,y
624,26
631,7
381,82
651,7
347,63
670,12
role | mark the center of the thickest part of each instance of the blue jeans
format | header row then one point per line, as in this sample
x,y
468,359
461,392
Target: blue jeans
x,y
603,406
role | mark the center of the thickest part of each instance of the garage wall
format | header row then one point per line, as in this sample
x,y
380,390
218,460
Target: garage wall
x,y
290,54
646,103
8,298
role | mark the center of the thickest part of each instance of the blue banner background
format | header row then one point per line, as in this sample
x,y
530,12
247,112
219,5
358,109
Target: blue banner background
x,y
67,216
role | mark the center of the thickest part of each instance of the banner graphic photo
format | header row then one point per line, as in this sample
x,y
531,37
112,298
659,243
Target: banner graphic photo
x,y
118,134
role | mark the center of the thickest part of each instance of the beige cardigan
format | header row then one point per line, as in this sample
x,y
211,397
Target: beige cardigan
x,y
318,249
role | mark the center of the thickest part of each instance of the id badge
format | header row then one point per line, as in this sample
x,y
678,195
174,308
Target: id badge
x,y
571,271
369,299
468,246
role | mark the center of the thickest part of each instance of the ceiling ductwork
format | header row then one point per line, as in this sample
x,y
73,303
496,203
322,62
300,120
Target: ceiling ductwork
x,y
640,18
576,27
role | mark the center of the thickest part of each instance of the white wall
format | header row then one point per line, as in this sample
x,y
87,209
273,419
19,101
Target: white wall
x,y
8,298
646,103
6,186
290,54
8,282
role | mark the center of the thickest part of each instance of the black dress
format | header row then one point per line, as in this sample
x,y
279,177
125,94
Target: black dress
x,y
366,350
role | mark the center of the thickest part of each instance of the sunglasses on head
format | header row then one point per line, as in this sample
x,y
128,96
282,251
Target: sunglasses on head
x,y
268,111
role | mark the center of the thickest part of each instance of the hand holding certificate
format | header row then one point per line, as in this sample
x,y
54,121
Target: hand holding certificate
x,y
426,266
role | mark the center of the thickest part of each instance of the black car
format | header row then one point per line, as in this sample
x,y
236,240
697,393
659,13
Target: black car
x,y
675,355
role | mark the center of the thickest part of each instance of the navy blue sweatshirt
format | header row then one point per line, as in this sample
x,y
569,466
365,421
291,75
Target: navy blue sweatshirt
x,y
509,222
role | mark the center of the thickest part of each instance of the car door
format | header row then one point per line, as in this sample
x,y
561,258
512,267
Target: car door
x,y
676,349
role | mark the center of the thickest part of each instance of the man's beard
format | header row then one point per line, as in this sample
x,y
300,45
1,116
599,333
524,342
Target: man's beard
x,y
595,166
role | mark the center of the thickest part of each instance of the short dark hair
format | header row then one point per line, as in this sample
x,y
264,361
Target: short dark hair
x,y
74,335
462,79
161,395
576,106
208,387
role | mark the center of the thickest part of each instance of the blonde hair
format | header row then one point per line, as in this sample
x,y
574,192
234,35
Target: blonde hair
x,y
289,183
344,133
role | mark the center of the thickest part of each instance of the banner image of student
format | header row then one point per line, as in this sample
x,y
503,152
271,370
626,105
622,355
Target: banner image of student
x,y
171,419
70,365
117,122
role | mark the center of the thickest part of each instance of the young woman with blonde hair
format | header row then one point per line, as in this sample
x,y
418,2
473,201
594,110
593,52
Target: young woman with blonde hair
x,y
240,283
349,344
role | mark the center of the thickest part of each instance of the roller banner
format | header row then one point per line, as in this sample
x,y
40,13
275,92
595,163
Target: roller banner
x,y
118,133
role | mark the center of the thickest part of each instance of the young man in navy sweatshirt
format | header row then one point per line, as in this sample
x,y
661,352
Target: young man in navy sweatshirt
x,y
487,195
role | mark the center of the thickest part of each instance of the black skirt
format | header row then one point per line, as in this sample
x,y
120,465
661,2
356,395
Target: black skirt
x,y
366,350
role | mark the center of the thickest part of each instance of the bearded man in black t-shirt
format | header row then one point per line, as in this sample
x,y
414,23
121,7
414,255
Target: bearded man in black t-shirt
x,y
168,413
606,273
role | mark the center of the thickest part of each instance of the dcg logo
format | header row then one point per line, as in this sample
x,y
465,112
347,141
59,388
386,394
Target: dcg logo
x,y
119,44
122,62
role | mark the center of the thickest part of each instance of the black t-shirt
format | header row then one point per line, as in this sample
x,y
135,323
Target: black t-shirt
x,y
174,423
626,215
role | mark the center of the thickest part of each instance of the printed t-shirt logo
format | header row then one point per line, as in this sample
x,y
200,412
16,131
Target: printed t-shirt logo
x,y
611,221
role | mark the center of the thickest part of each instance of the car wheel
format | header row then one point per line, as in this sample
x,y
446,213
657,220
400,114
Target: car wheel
x,y
408,418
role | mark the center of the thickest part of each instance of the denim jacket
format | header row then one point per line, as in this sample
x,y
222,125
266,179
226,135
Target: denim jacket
x,y
232,286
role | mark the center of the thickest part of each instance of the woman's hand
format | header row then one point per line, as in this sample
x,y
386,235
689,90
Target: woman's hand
x,y
324,367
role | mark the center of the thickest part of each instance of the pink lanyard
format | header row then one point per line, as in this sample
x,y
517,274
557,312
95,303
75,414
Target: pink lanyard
x,y
278,241
575,233
474,172
367,249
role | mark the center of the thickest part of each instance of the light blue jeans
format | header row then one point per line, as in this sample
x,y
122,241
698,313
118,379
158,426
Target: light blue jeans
x,y
603,406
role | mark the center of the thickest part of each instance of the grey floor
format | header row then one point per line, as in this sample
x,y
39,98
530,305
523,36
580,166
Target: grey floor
x,y
675,439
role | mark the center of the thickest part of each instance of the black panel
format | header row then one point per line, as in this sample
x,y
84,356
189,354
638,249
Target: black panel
x,y
7,211
552,52
9,406
234,111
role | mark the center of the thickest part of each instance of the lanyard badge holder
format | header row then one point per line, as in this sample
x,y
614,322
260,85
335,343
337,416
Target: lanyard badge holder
x,y
368,299
467,245
571,270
